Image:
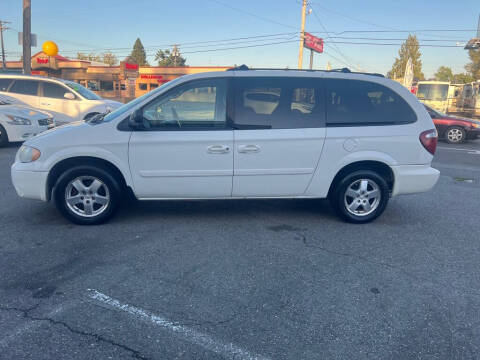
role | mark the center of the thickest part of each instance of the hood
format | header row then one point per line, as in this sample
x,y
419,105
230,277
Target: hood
x,y
59,130
24,111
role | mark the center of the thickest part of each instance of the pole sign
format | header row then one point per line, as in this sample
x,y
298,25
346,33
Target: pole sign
x,y
313,43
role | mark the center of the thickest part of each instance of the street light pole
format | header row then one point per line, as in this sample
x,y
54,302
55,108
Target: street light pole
x,y
302,34
27,29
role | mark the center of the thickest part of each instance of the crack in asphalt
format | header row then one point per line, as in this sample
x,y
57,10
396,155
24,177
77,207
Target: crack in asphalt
x,y
99,338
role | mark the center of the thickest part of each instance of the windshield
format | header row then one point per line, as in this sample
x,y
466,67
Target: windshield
x,y
432,91
130,105
87,94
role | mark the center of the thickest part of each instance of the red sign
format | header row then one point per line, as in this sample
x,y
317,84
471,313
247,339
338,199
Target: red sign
x,y
314,43
42,61
129,66
148,76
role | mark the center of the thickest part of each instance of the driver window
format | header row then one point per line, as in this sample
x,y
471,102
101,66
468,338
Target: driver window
x,y
200,104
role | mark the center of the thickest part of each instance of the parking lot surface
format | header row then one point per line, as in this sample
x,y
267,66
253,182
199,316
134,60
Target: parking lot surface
x,y
277,279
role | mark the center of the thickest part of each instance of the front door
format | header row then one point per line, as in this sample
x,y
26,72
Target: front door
x,y
187,149
279,135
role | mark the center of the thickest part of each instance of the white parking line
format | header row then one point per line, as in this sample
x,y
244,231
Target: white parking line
x,y
227,350
469,151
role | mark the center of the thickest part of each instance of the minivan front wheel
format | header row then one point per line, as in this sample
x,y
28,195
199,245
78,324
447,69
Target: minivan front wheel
x,y
86,195
360,197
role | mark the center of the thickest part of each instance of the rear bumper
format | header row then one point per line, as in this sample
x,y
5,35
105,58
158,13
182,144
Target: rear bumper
x,y
30,184
411,179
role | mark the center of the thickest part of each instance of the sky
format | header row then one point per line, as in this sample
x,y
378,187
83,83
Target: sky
x,y
202,27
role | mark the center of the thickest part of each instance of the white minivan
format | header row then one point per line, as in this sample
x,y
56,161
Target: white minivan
x,y
357,139
66,100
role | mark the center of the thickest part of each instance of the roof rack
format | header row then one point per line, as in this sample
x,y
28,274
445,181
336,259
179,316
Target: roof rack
x,y
342,70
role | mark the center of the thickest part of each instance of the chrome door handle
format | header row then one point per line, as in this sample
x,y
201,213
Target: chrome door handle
x,y
218,149
248,149
47,104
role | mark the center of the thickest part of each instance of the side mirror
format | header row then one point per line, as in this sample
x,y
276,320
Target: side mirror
x,y
69,96
136,120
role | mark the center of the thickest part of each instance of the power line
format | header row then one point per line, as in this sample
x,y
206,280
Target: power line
x,y
335,47
252,14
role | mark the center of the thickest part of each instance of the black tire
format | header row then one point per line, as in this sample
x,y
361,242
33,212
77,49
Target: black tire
x,y
3,136
339,201
455,135
110,189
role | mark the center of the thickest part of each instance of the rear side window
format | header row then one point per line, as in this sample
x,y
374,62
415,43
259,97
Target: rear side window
x,y
278,103
52,90
25,87
4,84
363,103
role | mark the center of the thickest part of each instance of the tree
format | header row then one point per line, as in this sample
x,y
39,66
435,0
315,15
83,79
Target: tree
x,y
138,55
167,58
89,57
409,49
444,73
109,58
462,78
473,68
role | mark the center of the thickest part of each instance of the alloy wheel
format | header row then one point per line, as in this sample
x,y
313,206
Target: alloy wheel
x,y
87,196
362,197
455,135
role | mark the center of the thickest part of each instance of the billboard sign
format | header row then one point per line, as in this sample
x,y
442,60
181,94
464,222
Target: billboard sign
x,y
313,43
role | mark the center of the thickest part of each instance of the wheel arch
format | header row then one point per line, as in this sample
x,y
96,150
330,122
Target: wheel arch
x,y
373,165
60,167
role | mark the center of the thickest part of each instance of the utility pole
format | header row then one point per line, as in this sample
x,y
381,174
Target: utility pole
x,y
27,37
302,33
2,29
175,54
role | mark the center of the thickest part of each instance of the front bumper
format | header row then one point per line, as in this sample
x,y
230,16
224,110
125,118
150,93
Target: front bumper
x,y
29,184
411,179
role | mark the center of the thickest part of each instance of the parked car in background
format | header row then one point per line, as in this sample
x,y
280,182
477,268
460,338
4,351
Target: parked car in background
x,y
452,129
357,139
19,122
66,100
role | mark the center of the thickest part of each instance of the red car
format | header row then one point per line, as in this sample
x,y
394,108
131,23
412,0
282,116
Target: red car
x,y
454,129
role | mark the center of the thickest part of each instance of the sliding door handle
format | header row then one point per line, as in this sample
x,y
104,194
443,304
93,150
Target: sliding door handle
x,y
248,149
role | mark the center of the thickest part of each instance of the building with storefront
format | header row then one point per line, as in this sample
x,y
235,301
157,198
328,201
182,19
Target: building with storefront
x,y
121,82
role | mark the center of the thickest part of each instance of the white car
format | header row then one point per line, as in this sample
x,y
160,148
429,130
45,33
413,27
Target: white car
x,y
358,140
66,100
19,122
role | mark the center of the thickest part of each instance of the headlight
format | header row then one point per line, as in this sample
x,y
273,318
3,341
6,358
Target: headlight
x,y
17,120
28,154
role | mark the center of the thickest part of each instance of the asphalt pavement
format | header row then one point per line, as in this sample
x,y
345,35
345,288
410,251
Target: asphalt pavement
x,y
279,279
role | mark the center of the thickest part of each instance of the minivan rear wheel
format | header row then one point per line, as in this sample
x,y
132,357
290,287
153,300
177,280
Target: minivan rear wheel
x,y
360,196
87,195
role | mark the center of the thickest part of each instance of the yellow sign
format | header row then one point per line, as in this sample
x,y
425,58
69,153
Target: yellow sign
x,y
50,48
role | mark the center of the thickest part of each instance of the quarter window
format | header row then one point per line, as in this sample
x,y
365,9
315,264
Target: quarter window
x,y
278,103
25,87
52,90
357,103
200,104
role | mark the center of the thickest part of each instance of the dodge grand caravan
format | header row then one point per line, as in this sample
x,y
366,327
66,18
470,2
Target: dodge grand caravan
x,y
356,139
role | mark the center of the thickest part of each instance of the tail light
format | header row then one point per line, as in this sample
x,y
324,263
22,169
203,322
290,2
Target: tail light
x,y
429,140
